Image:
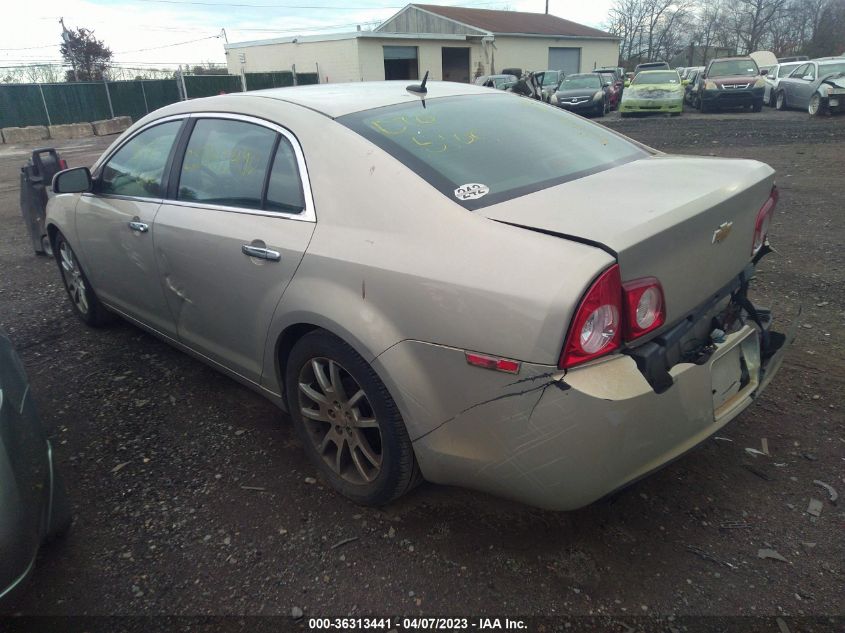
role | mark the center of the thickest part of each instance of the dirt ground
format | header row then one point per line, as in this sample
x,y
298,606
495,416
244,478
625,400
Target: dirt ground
x,y
157,450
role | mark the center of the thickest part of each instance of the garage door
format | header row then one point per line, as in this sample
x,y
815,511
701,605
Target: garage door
x,y
566,59
400,62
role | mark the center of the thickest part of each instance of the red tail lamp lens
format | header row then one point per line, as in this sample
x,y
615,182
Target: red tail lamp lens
x,y
597,326
764,220
644,306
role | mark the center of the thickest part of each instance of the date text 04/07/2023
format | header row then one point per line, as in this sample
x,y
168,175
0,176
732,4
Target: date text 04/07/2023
x,y
416,623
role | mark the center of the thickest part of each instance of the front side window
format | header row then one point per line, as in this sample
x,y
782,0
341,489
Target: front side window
x,y
482,149
226,163
799,72
137,168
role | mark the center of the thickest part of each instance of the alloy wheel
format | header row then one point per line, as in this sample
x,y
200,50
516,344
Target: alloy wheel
x,y
72,275
340,420
815,105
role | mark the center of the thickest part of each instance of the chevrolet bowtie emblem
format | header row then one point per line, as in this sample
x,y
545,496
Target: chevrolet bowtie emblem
x,y
720,234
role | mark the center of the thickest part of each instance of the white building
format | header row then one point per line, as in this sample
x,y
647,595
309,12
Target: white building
x,y
453,43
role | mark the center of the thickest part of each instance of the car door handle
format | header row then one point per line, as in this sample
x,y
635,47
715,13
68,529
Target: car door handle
x,y
261,253
141,227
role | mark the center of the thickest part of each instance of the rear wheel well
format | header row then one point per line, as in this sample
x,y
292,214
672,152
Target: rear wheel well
x,y
284,346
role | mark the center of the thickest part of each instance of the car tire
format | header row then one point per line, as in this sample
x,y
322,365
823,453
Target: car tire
x,y
601,109
780,101
625,115
704,107
758,106
79,291
816,107
358,442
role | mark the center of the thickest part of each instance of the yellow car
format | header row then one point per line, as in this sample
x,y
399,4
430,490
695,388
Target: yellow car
x,y
653,91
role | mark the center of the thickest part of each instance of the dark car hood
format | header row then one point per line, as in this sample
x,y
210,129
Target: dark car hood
x,y
577,92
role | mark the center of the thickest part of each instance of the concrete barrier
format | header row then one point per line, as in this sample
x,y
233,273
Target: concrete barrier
x,y
70,130
111,126
24,134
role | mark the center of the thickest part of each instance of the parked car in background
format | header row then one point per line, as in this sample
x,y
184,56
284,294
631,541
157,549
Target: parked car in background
x,y
614,87
551,80
772,78
651,66
33,503
731,82
818,86
793,58
584,93
654,91
691,88
500,82
317,243
687,72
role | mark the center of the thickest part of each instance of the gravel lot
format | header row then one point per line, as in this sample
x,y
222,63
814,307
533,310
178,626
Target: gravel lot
x,y
191,495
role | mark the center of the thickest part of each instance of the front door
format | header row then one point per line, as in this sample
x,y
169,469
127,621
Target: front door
x,y
804,88
455,65
114,225
229,243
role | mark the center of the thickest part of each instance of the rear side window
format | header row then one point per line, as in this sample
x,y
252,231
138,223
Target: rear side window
x,y
226,163
284,190
136,169
483,149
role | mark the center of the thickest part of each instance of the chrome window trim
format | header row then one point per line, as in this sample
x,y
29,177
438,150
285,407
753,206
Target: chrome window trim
x,y
308,214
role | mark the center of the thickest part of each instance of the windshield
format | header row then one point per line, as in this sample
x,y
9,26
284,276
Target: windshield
x,y
733,67
580,81
607,77
656,78
827,69
551,77
480,149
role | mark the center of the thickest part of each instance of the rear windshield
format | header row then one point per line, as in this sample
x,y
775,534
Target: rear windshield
x,y
733,67
669,77
483,149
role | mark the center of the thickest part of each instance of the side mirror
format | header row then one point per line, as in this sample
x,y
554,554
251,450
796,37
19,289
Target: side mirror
x,y
685,82
76,180
764,72
627,82
808,78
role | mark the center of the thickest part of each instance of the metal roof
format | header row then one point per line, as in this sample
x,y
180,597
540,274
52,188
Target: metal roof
x,y
335,100
513,22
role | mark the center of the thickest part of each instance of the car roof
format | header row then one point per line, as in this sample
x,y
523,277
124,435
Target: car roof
x,y
654,72
335,100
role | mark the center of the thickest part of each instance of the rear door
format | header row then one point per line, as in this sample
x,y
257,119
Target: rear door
x,y
114,222
232,235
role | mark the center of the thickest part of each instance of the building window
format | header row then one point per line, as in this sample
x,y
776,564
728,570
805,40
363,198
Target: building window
x,y
400,62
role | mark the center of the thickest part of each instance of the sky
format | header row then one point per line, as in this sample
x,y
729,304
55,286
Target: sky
x,y
147,33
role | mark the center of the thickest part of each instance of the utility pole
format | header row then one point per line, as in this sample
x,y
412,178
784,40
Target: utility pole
x,y
66,40
547,7
225,37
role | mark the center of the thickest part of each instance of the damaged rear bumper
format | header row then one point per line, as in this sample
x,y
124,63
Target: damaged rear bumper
x,y
561,441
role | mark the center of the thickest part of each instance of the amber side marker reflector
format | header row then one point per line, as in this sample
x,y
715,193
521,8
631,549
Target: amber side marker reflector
x,y
491,362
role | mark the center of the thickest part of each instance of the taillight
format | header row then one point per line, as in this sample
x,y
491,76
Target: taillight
x,y
764,220
62,164
611,311
597,326
645,310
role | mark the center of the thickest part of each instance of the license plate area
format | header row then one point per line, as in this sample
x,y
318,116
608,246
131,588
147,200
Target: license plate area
x,y
735,374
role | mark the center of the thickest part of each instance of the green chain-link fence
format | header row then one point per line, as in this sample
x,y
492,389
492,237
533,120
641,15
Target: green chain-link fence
x,y
54,104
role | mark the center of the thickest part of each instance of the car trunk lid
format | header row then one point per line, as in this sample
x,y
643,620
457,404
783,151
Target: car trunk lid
x,y
688,221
